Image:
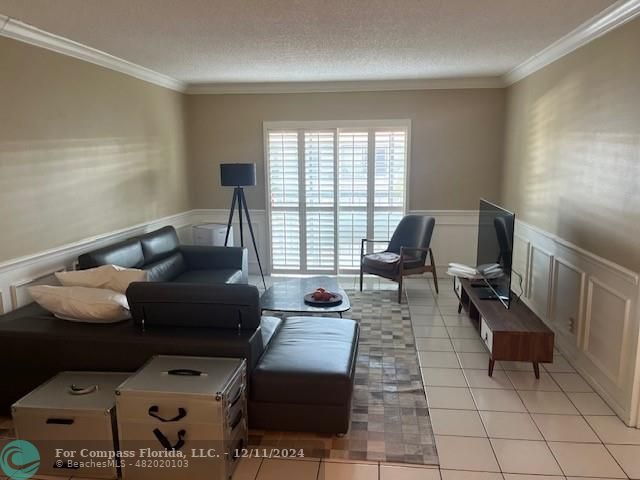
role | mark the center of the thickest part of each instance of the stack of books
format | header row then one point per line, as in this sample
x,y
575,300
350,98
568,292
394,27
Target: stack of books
x,y
488,271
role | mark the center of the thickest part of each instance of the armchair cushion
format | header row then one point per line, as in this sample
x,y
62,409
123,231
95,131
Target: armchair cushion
x,y
383,261
389,262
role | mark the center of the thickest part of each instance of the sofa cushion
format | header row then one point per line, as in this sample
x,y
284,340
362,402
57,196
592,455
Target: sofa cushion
x,y
167,269
112,277
82,304
225,275
159,244
311,361
124,254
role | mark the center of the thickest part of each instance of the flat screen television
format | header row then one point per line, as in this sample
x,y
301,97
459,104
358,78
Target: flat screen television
x,y
495,251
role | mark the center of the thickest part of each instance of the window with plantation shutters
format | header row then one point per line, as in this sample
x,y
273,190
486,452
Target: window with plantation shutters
x,y
330,186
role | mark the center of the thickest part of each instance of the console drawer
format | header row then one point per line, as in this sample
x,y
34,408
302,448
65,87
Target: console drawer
x,y
486,334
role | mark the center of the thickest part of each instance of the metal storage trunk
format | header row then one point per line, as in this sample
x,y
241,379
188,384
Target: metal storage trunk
x,y
184,417
71,421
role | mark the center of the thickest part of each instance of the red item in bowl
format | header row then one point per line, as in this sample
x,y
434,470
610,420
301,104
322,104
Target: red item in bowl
x,y
321,295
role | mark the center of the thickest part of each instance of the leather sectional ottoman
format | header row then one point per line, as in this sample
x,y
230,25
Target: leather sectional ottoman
x,y
304,381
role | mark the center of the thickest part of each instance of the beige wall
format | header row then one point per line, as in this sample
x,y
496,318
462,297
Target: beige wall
x,y
83,150
457,139
572,163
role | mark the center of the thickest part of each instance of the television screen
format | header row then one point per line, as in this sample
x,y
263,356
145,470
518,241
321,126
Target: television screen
x,y
495,250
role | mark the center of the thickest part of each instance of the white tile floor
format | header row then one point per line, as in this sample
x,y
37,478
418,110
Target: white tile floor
x,y
511,427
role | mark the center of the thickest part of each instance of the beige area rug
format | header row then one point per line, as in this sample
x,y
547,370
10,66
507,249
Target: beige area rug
x,y
390,420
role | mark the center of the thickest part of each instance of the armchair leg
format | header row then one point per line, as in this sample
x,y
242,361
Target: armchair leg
x,y
361,274
400,289
433,270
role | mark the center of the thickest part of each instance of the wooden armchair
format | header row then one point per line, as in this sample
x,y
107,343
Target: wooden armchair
x,y
406,252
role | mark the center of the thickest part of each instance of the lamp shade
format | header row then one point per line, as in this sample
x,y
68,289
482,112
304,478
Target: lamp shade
x,y
237,174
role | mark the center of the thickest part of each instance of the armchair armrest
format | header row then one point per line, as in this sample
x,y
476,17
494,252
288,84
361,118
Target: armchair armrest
x,y
230,306
211,258
369,240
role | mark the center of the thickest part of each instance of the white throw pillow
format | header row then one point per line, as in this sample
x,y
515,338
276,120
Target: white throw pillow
x,y
111,277
82,304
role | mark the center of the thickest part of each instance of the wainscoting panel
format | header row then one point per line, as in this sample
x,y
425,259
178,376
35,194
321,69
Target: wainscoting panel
x,y
567,300
606,326
539,280
520,267
592,306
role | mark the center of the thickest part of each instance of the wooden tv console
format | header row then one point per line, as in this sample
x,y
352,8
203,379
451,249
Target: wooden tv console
x,y
516,334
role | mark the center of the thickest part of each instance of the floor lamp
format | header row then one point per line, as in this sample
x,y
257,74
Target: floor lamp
x,y
240,175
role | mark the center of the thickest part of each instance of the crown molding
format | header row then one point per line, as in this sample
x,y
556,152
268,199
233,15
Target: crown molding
x,y
343,86
23,32
609,19
14,29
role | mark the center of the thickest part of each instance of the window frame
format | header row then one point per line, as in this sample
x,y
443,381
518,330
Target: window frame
x,y
370,126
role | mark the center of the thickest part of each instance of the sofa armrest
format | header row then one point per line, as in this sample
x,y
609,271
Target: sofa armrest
x,y
230,306
211,258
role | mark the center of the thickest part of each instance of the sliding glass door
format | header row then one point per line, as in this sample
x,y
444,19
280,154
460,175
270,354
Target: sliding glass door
x,y
329,186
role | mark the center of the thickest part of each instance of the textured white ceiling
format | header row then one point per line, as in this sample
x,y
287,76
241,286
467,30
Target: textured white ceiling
x,y
312,40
